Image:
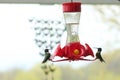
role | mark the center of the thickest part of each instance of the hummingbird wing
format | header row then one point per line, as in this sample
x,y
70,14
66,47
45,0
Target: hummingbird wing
x,y
46,58
98,56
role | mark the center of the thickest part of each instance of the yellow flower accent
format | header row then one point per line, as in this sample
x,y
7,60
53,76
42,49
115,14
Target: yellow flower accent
x,y
76,51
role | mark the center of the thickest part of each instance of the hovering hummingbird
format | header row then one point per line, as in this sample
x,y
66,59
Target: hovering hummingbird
x,y
47,56
98,55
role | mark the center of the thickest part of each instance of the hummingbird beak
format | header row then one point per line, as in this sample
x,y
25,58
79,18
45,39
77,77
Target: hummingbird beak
x,y
99,49
95,47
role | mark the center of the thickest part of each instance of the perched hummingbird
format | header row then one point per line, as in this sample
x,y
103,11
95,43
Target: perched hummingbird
x,y
47,56
98,55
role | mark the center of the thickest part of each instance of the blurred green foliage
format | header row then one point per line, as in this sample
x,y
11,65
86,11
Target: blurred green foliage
x,y
94,71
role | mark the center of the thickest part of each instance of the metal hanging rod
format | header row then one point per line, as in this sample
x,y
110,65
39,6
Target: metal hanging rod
x,y
61,1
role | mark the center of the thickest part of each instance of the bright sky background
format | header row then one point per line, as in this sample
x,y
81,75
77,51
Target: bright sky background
x,y
17,47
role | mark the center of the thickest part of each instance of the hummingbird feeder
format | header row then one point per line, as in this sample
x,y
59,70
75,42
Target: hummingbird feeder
x,y
73,49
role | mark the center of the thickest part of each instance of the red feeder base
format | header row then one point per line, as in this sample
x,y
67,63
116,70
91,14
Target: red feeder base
x,y
73,51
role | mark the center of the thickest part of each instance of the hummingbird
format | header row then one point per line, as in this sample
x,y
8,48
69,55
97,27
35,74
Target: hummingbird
x,y
47,56
98,55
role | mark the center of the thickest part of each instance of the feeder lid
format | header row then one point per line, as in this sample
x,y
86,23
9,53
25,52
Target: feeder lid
x,y
72,7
